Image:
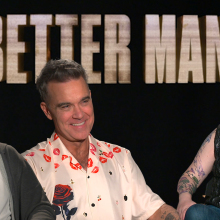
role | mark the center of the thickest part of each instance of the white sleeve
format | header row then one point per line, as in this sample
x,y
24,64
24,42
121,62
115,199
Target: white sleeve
x,y
145,202
30,162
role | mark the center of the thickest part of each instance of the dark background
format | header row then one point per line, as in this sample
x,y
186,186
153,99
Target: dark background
x,y
163,125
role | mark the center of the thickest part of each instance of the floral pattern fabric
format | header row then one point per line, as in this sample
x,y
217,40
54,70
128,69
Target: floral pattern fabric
x,y
113,186
62,196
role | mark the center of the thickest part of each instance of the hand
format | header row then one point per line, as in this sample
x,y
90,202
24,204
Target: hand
x,y
182,207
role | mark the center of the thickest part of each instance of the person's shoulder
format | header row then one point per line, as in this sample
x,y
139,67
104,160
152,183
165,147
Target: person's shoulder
x,y
42,146
11,155
113,150
5,148
111,147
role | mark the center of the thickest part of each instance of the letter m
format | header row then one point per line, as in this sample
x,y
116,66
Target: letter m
x,y
160,49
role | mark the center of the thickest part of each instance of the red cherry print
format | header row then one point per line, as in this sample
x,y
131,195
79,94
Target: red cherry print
x,y
31,154
64,157
56,165
117,150
98,144
56,151
47,158
55,136
73,166
90,162
41,149
49,143
102,159
78,165
95,169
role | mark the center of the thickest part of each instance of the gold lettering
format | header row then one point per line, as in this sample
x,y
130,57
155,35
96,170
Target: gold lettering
x,y
160,49
14,47
88,46
190,54
66,23
42,52
2,60
212,48
117,53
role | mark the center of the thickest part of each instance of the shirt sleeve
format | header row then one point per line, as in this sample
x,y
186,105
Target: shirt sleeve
x,y
145,202
30,162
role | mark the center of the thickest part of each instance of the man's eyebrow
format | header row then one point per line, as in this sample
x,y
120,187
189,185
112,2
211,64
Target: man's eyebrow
x,y
86,97
63,103
68,103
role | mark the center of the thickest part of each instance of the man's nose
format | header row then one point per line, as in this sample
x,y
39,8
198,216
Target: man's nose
x,y
77,112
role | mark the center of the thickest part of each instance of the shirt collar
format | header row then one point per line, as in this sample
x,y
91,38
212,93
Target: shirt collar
x,y
61,153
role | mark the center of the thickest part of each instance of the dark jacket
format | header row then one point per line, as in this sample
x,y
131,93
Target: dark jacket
x,y
214,197
28,198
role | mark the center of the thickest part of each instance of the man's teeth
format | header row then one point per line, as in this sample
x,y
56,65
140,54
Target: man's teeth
x,y
78,124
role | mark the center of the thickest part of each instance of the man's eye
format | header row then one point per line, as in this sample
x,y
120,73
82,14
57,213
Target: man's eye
x,y
85,101
64,106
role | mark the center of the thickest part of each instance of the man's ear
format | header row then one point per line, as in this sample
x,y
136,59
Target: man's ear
x,y
46,111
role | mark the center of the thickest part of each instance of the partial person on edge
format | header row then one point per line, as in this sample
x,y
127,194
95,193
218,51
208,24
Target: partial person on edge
x,y
207,159
21,197
83,177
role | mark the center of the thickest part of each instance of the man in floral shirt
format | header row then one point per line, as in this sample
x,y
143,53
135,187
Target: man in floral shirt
x,y
85,178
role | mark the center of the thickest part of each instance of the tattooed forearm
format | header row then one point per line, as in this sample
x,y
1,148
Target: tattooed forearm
x,y
198,166
191,178
170,214
186,185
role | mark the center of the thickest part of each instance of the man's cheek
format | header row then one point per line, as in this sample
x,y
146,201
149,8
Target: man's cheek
x,y
65,116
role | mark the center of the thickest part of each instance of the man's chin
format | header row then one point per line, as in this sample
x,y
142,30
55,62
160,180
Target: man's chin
x,y
78,139
81,137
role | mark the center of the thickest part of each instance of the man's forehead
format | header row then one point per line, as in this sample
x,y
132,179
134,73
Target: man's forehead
x,y
75,83
54,81
74,88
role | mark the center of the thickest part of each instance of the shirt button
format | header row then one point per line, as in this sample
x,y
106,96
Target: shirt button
x,y
88,177
93,204
85,214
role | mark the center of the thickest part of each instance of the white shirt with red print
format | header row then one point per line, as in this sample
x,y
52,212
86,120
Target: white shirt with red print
x,y
112,188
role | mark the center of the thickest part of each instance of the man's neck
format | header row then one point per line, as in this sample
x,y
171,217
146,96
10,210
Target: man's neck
x,y
79,149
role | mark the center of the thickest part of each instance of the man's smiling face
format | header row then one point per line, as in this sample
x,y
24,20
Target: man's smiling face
x,y
71,109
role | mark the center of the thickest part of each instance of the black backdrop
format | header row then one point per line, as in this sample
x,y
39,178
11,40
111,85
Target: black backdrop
x,y
163,125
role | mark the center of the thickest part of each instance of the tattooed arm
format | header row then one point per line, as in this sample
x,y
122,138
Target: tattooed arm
x,y
165,212
195,174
